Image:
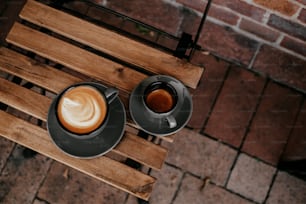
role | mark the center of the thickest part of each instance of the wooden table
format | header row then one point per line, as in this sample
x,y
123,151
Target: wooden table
x,y
49,38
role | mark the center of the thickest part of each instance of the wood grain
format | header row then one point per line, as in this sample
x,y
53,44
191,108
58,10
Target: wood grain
x,y
153,154
46,76
102,168
75,58
24,100
37,105
111,43
35,72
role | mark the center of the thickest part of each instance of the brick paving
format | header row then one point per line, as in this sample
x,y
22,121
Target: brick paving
x,y
251,178
244,121
272,123
235,106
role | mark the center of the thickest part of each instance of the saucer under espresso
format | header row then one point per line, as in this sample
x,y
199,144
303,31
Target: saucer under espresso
x,y
157,125
89,147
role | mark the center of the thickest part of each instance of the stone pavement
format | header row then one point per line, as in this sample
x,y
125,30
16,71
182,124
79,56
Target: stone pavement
x,y
244,123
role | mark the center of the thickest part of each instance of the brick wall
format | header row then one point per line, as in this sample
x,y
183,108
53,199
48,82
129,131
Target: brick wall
x,y
265,35
279,23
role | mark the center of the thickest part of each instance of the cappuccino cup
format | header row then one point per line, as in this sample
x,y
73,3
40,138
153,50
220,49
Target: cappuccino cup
x,y
160,98
83,110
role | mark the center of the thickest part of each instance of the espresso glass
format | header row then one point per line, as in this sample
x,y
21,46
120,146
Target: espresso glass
x,y
161,99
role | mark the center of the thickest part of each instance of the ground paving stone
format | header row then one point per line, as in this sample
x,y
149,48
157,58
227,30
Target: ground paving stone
x,y
193,191
272,123
296,146
201,156
21,177
66,185
287,189
6,147
251,178
168,180
235,106
205,95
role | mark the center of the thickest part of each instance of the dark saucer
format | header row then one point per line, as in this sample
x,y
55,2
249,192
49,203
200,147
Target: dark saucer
x,y
156,125
93,146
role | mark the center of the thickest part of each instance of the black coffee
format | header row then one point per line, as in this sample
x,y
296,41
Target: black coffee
x,y
160,97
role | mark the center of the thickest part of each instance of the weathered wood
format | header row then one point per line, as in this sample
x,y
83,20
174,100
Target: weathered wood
x,y
153,154
102,168
37,105
46,76
94,67
35,72
24,100
111,43
168,138
74,57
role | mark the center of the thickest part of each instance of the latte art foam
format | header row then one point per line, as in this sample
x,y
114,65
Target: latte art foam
x,y
82,109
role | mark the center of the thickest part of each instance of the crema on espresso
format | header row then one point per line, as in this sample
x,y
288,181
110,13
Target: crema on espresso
x,y
82,109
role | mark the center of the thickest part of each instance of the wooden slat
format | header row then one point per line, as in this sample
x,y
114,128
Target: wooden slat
x,y
74,57
37,105
168,138
153,154
23,99
102,168
44,76
111,43
35,72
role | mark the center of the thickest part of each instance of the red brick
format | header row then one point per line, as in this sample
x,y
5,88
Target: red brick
x,y
243,8
282,6
155,12
207,90
201,156
193,191
287,26
223,15
272,123
222,40
281,66
302,16
105,17
234,107
21,178
214,11
64,184
198,5
79,6
227,43
259,30
297,46
296,147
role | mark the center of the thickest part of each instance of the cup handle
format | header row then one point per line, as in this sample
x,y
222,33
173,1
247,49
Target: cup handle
x,y
110,94
171,121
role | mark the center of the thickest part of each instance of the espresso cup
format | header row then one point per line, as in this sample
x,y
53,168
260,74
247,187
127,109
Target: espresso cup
x,y
161,99
83,110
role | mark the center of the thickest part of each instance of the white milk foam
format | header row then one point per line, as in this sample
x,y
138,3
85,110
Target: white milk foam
x,y
81,110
